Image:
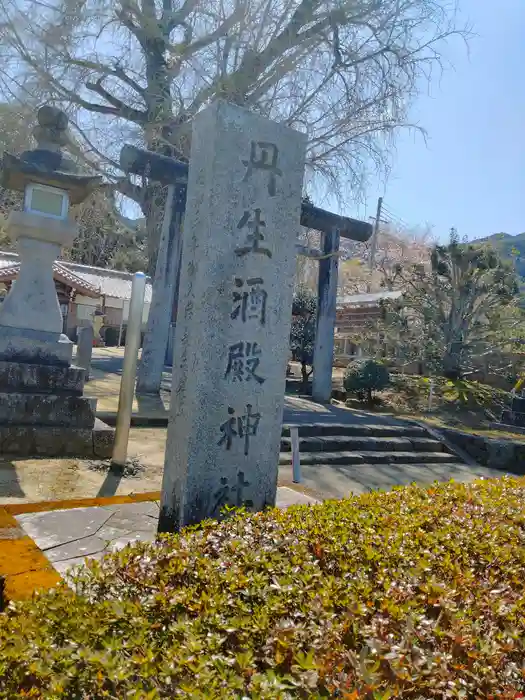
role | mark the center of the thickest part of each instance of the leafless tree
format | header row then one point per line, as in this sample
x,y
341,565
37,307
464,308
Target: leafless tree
x,y
103,240
343,71
395,246
460,307
307,268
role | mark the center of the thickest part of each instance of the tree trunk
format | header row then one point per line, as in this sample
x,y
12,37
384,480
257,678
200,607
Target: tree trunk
x,y
305,375
452,361
153,209
369,396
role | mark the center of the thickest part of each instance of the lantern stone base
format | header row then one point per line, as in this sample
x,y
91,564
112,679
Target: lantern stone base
x,y
39,347
50,379
45,441
43,413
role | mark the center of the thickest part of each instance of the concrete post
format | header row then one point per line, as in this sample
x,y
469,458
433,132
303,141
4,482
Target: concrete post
x,y
129,370
326,307
85,337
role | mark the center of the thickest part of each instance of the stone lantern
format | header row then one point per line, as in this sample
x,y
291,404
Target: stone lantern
x,y
42,409
30,318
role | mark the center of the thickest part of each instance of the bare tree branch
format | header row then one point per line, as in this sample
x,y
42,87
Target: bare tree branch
x,y
345,73
123,110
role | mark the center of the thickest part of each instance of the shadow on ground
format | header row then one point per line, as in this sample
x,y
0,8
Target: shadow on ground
x,y
304,410
107,365
9,483
150,404
338,481
109,486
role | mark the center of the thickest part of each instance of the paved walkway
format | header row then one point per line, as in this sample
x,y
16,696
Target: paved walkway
x,y
339,481
105,384
68,537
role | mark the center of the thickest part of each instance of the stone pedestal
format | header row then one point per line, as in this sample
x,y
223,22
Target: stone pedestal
x,y
43,412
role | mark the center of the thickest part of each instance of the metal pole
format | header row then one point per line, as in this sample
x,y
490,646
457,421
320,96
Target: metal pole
x,y
373,240
129,370
296,460
120,327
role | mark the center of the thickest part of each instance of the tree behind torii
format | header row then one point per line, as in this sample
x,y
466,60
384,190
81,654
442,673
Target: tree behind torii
x,y
139,70
462,306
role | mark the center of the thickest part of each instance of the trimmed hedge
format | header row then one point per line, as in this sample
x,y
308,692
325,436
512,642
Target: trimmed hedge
x,y
416,593
362,377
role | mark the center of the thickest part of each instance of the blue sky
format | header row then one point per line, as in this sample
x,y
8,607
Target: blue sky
x,y
471,172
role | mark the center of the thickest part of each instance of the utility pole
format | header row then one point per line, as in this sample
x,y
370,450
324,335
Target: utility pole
x,y
373,240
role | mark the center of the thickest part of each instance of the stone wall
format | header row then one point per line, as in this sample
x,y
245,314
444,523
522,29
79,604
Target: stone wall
x,y
497,453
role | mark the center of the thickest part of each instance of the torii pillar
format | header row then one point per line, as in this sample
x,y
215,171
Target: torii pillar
x,y
332,227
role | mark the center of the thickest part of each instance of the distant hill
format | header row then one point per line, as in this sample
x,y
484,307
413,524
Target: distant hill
x,y
509,247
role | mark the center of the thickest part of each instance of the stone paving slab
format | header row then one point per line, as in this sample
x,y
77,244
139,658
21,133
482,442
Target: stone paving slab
x,y
58,527
67,537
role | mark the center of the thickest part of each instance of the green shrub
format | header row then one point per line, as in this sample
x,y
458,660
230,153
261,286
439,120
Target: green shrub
x,y
412,392
474,394
363,377
415,593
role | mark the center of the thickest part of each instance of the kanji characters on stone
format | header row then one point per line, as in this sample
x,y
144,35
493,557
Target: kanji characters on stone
x,y
249,300
223,495
243,361
263,156
254,238
243,427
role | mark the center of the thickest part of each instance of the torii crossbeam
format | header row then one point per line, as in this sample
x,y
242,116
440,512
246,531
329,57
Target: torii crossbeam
x,y
333,227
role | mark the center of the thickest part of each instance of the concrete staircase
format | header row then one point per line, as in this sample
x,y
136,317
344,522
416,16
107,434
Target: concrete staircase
x,y
357,445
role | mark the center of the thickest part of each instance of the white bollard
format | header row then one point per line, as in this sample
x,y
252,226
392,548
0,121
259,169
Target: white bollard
x,y
129,370
296,459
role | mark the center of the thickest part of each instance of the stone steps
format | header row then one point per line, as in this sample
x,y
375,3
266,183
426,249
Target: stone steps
x,y
374,457
358,430
334,443
363,446
356,472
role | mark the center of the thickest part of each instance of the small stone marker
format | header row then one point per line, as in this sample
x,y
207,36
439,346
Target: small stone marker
x,y
85,338
296,456
233,327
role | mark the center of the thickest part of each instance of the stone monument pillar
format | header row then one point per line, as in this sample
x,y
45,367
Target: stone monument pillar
x,y
233,322
42,410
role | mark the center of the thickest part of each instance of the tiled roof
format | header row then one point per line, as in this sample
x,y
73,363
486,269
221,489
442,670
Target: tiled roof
x,y
7,258
61,273
371,298
112,283
99,280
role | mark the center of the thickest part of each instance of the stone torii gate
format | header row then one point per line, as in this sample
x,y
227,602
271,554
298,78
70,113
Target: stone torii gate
x,y
173,173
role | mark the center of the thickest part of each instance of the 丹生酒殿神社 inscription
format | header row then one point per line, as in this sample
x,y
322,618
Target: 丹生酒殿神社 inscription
x,y
263,156
232,335
242,427
225,493
243,360
253,239
249,300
